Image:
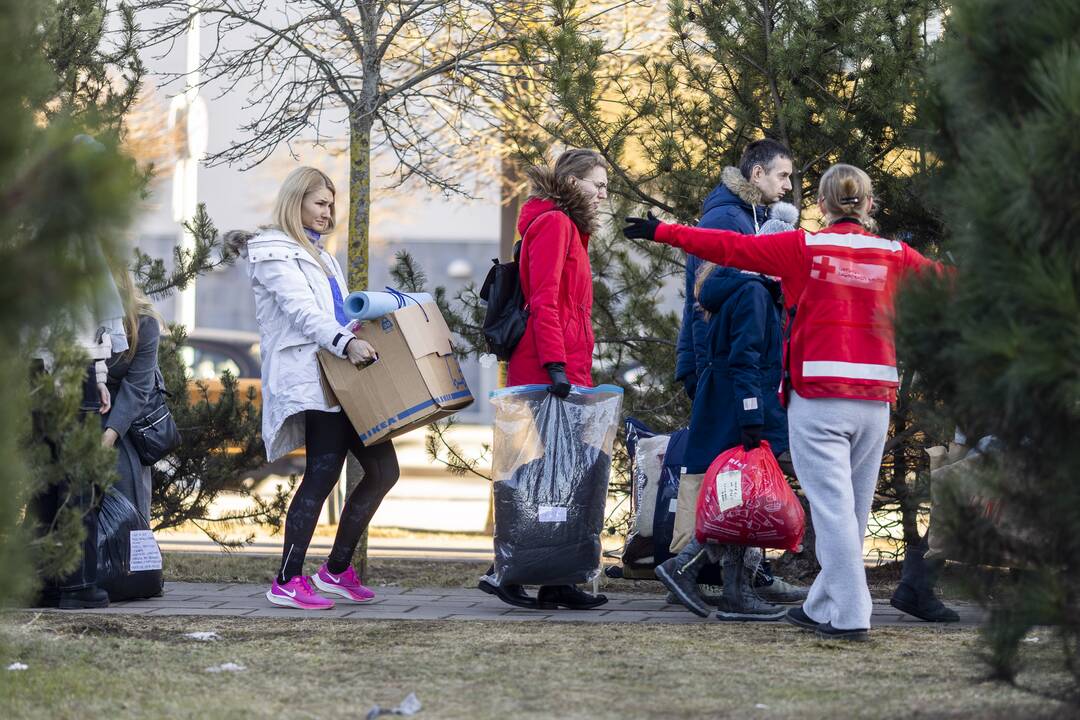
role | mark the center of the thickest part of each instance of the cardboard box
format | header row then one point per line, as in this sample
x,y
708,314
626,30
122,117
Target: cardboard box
x,y
415,381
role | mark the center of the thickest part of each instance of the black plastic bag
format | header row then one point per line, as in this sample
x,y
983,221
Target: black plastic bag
x,y
119,550
552,462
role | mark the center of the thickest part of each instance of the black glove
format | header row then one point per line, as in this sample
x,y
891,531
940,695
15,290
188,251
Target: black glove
x,y
560,386
641,228
690,386
751,436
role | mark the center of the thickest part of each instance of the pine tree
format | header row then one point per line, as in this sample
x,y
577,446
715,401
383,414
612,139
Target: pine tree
x,y
999,344
60,200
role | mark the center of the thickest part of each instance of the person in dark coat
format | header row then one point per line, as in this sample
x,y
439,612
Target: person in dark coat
x,y
731,341
556,281
132,376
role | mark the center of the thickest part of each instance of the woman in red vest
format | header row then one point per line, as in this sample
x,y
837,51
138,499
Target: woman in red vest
x,y
840,371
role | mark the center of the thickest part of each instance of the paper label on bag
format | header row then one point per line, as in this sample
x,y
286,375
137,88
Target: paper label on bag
x,y
673,505
552,513
145,554
729,489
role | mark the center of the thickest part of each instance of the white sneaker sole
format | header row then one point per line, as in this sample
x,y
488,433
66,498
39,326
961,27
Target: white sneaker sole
x,y
289,602
335,590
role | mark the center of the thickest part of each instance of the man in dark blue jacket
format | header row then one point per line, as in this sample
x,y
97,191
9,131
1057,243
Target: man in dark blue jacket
x,y
730,362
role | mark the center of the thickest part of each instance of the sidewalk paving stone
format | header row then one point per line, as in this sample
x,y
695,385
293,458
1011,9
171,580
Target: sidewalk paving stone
x,y
460,604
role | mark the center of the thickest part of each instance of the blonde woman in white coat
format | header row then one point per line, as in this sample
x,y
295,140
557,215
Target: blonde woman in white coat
x,y
299,289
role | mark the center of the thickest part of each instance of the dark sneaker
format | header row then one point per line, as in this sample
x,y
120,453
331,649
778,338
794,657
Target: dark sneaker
x,y
826,631
567,596
683,586
924,606
85,599
798,617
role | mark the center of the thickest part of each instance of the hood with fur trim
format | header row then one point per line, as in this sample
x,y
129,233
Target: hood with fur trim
x,y
733,178
549,193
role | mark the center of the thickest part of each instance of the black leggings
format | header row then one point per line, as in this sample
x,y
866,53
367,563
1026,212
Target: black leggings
x,y
328,436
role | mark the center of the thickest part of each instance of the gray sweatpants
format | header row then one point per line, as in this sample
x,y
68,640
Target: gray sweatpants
x,y
836,446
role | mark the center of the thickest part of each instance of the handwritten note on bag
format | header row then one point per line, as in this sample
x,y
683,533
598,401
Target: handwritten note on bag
x,y
145,554
729,489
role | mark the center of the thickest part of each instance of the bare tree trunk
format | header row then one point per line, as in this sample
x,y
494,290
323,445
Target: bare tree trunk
x,y
358,262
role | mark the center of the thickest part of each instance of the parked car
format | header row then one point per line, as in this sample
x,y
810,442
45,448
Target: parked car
x,y
208,353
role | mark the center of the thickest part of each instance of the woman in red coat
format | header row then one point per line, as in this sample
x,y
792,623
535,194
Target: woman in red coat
x,y
556,281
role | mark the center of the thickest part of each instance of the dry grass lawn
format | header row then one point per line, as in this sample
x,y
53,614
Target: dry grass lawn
x,y
92,666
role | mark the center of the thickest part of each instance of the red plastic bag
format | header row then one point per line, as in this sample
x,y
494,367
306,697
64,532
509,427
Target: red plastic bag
x,y
746,500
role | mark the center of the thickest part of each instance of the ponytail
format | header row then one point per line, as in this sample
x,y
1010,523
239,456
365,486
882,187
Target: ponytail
x,y
846,191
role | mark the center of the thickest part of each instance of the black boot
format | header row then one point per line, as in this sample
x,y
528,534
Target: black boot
x,y
510,594
679,574
915,593
740,601
90,597
567,596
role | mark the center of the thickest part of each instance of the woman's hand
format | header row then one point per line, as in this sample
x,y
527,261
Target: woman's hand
x,y
109,438
360,352
106,398
641,228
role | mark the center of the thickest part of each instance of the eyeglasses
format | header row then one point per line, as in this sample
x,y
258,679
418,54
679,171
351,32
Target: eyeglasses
x,y
600,187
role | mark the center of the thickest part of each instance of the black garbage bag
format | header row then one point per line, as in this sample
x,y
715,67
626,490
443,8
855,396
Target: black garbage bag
x,y
552,462
129,562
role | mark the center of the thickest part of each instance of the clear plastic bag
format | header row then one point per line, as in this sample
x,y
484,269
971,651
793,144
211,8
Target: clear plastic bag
x,y
551,466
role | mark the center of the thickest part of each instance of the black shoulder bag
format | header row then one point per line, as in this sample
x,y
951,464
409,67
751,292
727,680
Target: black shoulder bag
x,y
155,434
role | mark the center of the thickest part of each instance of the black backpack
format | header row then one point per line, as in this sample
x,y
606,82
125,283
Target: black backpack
x,y
504,322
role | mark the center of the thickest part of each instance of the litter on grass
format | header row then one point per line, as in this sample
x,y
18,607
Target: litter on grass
x,y
408,707
226,667
17,666
205,636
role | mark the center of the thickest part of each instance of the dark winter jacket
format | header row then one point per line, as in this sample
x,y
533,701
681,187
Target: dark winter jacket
x,y
735,205
556,280
741,368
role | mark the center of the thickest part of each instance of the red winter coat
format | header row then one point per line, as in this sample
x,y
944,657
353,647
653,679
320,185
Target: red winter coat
x,y
556,280
843,281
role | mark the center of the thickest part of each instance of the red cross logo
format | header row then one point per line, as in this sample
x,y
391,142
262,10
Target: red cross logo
x,y
821,268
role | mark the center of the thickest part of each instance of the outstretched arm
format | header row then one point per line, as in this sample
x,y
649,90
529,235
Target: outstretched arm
x,y
778,254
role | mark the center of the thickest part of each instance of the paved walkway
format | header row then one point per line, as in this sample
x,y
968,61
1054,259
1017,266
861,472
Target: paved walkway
x,y
393,603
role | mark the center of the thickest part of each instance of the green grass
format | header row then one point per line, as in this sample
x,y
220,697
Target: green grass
x,y
92,666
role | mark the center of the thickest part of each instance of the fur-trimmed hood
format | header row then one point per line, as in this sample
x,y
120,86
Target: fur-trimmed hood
x,y
236,241
733,179
734,204
548,191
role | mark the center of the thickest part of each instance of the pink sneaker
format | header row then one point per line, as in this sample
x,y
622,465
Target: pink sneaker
x,y
297,593
346,585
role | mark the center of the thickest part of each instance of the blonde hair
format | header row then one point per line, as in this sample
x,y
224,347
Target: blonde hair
x,y
136,305
846,191
299,184
704,270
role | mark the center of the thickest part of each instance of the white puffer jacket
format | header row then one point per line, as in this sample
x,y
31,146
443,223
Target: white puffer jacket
x,y
295,310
